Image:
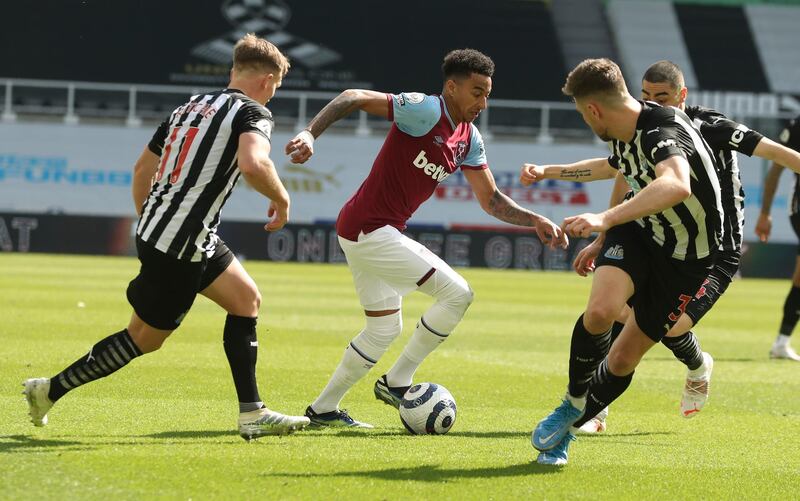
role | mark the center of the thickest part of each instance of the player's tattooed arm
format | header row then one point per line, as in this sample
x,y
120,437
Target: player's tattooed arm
x,y
593,169
576,174
505,209
301,148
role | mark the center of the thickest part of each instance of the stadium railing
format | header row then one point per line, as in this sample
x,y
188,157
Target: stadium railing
x,y
132,104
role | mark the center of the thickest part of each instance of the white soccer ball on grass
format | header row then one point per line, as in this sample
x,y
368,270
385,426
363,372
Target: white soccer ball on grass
x,y
428,409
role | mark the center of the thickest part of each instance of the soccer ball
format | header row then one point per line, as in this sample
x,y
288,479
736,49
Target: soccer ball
x,y
428,408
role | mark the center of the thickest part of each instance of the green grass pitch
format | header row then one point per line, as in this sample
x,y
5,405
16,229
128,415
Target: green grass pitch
x,y
164,427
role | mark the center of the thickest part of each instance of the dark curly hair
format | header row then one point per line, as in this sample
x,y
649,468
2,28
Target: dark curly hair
x,y
464,62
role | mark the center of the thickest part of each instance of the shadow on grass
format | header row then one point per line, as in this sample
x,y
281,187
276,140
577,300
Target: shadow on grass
x,y
604,436
726,359
434,473
14,443
625,438
191,434
399,432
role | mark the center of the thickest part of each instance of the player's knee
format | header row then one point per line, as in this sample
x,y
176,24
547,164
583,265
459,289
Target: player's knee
x,y
378,334
457,297
146,341
600,316
248,303
386,327
622,362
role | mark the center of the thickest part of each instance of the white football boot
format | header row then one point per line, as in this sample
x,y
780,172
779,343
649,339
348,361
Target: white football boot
x,y
695,391
784,351
260,422
35,392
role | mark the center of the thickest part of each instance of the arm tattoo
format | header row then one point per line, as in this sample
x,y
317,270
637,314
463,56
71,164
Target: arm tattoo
x,y
505,209
575,173
341,106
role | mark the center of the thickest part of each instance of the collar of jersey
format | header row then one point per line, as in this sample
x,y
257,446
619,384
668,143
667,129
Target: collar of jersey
x,y
446,113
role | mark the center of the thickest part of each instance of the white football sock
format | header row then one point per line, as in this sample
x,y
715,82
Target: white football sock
x,y
352,368
577,402
360,356
421,344
453,297
781,341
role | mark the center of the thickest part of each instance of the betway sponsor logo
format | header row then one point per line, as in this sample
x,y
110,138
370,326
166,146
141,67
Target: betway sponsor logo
x,y
437,172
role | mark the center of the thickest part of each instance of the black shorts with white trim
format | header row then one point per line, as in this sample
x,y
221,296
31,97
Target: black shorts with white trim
x,y
164,290
663,286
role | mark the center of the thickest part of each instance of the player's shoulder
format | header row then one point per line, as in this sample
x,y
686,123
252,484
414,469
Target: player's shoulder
x,y
706,115
653,116
415,98
416,103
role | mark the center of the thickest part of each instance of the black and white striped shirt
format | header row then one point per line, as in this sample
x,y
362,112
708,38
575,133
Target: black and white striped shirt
x,y
691,229
726,137
198,146
790,137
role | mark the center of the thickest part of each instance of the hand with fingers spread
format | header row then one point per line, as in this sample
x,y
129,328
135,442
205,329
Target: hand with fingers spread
x,y
584,260
530,174
301,148
278,214
583,225
550,233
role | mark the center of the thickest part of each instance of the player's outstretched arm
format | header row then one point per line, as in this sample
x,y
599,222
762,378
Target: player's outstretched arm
x,y
778,153
259,171
764,223
671,186
499,205
301,148
143,172
593,169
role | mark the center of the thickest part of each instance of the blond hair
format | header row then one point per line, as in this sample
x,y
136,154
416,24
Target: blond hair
x,y
600,78
258,55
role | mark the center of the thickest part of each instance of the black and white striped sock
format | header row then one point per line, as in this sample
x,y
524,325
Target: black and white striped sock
x,y
686,348
586,353
605,388
105,357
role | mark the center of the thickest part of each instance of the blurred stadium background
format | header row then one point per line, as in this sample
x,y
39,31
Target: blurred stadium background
x,y
83,87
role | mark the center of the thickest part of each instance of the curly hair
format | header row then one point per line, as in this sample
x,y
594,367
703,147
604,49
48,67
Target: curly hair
x,y
464,62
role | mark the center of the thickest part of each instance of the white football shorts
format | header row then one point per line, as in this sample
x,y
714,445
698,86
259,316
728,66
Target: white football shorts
x,y
387,264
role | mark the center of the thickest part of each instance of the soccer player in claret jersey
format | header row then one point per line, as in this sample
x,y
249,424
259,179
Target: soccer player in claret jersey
x,y
432,136
195,159
790,137
658,249
663,83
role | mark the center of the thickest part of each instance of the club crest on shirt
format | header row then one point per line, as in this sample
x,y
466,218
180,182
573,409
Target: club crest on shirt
x,y
415,97
438,141
460,152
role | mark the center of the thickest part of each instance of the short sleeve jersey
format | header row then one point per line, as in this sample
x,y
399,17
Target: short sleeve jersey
x,y
689,230
198,148
423,147
727,137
